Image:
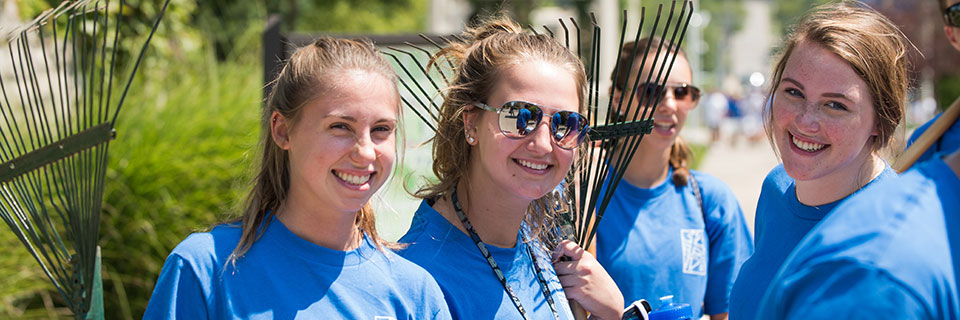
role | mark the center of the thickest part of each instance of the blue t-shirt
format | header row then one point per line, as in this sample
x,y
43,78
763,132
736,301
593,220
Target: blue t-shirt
x,y
883,254
283,276
657,242
948,142
471,288
780,223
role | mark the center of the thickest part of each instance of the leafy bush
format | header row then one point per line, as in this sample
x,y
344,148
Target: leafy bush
x,y
178,165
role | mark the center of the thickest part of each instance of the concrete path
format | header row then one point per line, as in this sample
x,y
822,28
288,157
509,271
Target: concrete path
x,y
742,166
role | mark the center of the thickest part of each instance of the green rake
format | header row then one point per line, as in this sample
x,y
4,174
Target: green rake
x,y
57,117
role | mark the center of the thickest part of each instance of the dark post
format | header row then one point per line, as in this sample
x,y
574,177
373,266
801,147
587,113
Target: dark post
x,y
274,51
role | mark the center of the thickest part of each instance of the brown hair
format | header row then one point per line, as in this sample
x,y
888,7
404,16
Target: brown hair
x,y
478,59
310,72
681,156
870,44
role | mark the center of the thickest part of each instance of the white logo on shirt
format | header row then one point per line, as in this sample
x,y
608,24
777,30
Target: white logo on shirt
x,y
694,251
384,318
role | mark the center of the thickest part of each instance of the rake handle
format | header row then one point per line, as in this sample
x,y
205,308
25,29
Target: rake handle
x,y
578,312
936,130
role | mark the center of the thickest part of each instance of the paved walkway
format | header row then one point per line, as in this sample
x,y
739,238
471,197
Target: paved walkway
x,y
742,166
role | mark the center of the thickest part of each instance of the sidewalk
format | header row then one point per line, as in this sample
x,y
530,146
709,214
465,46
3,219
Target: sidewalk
x,y
742,167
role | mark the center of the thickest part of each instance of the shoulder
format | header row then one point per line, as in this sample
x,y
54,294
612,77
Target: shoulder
x,y
777,178
208,250
844,289
427,236
712,186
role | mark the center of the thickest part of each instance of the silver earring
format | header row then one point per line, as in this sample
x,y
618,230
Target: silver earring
x,y
470,139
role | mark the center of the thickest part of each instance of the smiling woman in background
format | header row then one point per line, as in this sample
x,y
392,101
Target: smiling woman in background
x,y
670,230
838,95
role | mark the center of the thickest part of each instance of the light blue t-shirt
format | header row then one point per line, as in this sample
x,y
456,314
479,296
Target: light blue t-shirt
x,y
658,241
781,222
283,276
883,254
947,144
470,286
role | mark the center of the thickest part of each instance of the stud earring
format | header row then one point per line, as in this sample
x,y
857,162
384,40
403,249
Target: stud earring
x,y
470,139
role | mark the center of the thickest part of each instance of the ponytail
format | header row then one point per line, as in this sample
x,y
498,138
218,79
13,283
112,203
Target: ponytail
x,y
680,158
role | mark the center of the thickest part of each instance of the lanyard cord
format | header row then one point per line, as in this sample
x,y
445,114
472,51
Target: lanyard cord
x,y
496,269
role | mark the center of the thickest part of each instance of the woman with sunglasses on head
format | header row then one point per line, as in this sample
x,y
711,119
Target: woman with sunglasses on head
x,y
669,230
837,97
508,133
306,245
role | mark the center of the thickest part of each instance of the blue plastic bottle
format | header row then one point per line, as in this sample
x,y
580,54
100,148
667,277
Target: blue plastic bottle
x,y
672,311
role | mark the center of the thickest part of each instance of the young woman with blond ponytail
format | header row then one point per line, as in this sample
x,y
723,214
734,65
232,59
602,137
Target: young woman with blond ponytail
x,y
306,245
509,129
670,230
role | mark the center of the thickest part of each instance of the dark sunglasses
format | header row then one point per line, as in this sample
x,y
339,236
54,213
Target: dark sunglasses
x,y
952,15
680,91
517,119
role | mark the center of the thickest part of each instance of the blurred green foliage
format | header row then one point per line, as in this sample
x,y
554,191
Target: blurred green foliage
x,y
788,12
181,159
947,90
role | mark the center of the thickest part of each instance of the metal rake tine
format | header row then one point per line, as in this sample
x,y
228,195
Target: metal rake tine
x,y
429,55
422,69
532,29
576,27
113,58
417,112
566,33
550,32
53,101
136,65
406,85
28,115
438,46
668,67
611,113
103,67
18,139
34,86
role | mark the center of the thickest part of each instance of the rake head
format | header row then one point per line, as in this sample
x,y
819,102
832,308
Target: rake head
x,y
58,107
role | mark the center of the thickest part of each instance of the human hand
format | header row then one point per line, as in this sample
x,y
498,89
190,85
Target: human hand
x,y
585,281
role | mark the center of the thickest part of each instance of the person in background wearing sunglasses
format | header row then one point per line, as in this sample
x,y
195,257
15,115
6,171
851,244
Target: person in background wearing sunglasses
x,y
669,230
508,133
950,140
892,251
837,97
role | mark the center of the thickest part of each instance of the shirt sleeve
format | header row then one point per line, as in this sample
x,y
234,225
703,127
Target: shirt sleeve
x,y
178,293
841,290
730,245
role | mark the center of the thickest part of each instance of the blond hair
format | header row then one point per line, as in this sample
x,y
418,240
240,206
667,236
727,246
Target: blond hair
x,y
310,72
484,52
870,44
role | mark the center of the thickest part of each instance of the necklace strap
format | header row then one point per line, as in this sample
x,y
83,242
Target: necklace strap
x,y
496,269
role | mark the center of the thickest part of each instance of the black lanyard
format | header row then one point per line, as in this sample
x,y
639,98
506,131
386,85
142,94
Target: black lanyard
x,y
496,269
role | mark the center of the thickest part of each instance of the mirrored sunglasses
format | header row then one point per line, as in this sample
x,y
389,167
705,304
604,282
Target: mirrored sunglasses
x,y
952,15
517,119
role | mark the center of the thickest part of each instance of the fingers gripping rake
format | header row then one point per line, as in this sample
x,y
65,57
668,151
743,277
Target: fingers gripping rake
x,y
57,116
